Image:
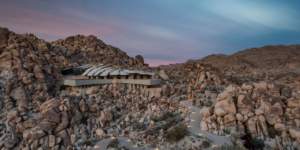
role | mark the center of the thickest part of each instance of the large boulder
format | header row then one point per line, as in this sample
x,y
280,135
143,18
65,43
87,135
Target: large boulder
x,y
166,90
294,132
139,59
271,104
225,102
205,112
244,102
92,90
163,75
38,72
19,94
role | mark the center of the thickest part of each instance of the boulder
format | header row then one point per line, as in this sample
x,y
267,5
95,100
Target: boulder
x,y
225,102
220,112
139,59
19,94
166,90
92,90
294,132
38,73
10,143
163,75
205,112
229,118
100,132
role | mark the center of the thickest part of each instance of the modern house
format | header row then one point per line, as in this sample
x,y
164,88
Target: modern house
x,y
83,77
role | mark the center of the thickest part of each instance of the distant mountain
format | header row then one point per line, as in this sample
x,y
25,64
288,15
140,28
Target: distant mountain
x,y
265,63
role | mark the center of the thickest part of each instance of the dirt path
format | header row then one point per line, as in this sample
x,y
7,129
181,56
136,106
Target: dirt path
x,y
195,126
193,129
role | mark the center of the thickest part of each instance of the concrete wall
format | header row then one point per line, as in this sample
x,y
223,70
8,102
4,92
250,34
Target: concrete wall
x,y
108,81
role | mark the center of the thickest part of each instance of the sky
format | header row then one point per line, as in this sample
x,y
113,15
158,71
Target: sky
x,y
162,31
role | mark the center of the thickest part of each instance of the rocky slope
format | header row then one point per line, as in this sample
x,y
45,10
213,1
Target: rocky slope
x,y
274,63
30,67
36,114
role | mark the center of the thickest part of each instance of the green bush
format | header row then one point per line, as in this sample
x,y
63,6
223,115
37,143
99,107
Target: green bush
x,y
258,144
177,133
273,132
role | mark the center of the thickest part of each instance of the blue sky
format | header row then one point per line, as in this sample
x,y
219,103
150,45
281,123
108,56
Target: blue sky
x,y
162,31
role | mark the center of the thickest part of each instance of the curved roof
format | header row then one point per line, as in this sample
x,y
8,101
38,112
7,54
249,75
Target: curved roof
x,y
86,66
105,73
93,70
88,70
104,70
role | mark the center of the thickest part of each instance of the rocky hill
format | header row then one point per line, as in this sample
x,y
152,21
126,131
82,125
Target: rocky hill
x,y
30,66
274,63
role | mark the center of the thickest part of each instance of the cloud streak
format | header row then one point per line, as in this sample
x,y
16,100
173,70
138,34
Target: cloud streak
x,y
168,31
26,20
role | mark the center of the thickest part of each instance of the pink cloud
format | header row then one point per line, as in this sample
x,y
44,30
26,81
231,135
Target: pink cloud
x,y
36,22
157,62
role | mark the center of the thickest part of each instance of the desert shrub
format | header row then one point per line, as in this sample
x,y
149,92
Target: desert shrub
x,y
227,131
124,147
234,139
87,143
258,144
118,109
84,119
166,116
273,132
63,87
177,132
142,107
205,144
112,144
231,147
155,119
170,76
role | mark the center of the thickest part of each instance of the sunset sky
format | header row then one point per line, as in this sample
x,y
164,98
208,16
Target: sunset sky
x,y
162,31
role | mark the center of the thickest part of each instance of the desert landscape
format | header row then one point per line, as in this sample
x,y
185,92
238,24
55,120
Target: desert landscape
x,y
149,75
233,101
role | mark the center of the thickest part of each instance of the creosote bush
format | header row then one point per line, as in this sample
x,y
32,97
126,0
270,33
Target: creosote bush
x,y
176,133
